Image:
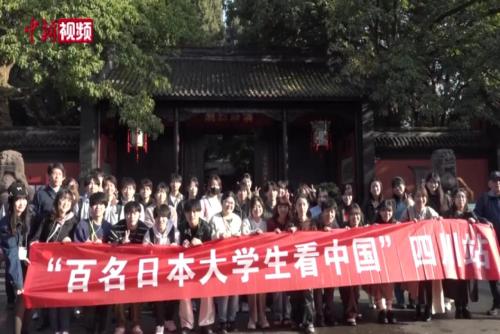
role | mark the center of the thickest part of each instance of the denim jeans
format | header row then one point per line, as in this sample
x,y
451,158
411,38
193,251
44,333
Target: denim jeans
x,y
227,307
282,309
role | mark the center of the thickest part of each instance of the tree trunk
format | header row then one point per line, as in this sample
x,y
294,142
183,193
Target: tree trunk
x,y
6,90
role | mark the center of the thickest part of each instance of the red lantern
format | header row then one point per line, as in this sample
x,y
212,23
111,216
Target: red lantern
x,y
321,136
136,140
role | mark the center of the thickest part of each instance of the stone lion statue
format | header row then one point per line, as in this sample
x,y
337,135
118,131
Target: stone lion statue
x,y
11,169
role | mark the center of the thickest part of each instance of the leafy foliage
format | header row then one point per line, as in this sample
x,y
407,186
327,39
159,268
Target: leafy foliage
x,y
420,63
272,24
134,35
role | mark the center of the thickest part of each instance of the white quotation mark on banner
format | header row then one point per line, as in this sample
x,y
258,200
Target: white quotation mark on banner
x,y
385,241
54,268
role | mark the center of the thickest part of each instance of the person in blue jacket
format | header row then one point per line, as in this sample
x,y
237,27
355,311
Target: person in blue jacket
x,y
488,209
14,231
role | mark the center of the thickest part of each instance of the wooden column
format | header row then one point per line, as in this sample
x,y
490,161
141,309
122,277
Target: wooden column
x,y
89,136
177,141
284,126
365,150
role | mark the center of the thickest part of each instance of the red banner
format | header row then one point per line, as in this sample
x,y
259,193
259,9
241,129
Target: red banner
x,y
93,274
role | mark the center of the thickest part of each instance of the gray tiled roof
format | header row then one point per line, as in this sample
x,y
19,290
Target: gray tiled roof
x,y
239,78
56,139
430,139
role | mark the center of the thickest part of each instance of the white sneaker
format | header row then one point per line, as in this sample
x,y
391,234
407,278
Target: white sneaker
x,y
159,330
310,329
120,330
251,324
264,324
137,330
170,326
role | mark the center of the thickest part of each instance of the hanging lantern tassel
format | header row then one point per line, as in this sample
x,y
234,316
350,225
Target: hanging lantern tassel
x,y
137,140
321,136
128,141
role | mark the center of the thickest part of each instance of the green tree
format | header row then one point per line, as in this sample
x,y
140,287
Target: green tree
x,y
420,63
134,35
212,24
274,24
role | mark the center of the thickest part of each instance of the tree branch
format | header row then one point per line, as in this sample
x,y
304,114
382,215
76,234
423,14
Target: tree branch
x,y
455,10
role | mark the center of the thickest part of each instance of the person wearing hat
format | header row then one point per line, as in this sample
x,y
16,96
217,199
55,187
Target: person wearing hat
x,y
488,208
14,230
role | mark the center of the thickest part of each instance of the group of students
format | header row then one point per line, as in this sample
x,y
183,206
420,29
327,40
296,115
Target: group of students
x,y
59,213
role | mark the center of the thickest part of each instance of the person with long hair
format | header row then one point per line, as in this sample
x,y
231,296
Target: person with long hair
x,y
243,201
281,221
59,227
415,213
72,184
438,199
226,224
375,198
255,224
459,289
384,292
14,231
246,181
303,300
440,202
350,294
211,202
192,192
347,200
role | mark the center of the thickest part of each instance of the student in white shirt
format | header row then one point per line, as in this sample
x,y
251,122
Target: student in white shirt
x,y
211,203
226,224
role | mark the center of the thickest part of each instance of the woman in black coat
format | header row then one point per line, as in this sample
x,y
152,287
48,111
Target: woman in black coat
x,y
459,289
59,227
14,231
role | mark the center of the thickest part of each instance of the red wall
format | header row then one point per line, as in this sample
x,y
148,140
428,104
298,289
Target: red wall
x,y
36,172
473,171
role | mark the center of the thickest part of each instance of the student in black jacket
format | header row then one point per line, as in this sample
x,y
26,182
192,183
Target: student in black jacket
x,y
458,290
130,230
194,231
14,231
59,227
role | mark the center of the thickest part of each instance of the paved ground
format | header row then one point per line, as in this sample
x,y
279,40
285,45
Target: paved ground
x,y
441,324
